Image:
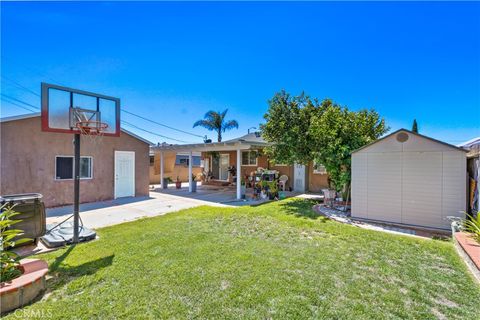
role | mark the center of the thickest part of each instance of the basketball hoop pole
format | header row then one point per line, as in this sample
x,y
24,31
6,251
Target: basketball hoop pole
x,y
76,188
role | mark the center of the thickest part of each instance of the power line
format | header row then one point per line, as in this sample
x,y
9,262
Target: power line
x,y
150,132
18,105
21,86
126,111
18,100
161,124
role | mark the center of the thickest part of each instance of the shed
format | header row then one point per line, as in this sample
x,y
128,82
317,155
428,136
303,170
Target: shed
x,y
407,178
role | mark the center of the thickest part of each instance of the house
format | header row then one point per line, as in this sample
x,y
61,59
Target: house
x,y
410,179
33,160
175,165
245,154
473,169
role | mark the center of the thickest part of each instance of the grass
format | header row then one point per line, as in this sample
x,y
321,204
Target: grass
x,y
277,260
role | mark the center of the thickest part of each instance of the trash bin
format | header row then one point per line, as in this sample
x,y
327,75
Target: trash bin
x,y
31,213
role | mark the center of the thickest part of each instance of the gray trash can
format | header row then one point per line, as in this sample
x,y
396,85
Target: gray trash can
x,y
31,211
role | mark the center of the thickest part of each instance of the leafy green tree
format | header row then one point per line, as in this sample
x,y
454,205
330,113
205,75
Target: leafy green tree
x,y
215,121
287,125
302,130
337,133
415,126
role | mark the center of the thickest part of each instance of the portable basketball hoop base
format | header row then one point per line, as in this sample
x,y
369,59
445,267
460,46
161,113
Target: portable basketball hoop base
x,y
78,112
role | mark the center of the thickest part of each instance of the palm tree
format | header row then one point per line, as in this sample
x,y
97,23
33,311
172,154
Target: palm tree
x,y
216,121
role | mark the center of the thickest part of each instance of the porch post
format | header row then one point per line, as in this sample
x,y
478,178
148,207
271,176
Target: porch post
x,y
239,173
190,188
161,169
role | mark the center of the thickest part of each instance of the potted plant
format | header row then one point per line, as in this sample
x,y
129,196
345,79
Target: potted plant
x,y
166,181
194,183
273,190
178,183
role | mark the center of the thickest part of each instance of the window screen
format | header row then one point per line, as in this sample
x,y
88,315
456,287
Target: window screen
x,y
85,167
64,168
249,158
183,160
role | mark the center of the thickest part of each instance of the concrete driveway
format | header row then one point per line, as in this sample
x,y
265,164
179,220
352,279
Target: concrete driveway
x,y
161,201
107,213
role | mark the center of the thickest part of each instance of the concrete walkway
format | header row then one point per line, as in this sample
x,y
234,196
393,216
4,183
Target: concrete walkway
x,y
107,213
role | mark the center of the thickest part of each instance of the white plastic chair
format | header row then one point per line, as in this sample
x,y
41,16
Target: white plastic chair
x,y
282,181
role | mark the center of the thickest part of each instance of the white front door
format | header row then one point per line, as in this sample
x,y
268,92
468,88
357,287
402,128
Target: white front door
x,y
124,174
224,164
299,178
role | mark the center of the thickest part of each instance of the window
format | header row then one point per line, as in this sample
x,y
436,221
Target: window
x,y
64,167
152,160
249,158
318,168
183,160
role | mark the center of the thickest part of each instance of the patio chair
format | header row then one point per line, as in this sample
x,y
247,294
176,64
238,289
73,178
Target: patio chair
x,y
329,197
282,181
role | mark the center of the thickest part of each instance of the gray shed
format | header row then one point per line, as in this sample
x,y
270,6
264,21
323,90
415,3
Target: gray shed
x,y
407,178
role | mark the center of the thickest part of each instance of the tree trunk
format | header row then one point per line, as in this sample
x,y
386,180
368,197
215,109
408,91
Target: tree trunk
x,y
219,136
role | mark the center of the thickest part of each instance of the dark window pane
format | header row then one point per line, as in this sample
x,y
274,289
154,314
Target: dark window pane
x,y
253,157
245,158
64,167
180,159
196,161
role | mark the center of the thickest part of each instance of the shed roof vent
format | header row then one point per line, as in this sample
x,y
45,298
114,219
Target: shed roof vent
x,y
402,137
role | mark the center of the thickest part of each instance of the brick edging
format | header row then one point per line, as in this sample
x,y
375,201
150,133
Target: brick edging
x,y
459,239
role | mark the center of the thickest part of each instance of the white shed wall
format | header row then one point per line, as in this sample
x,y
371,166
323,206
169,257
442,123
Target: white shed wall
x,y
419,182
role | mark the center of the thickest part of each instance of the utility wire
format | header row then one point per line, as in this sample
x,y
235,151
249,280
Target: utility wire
x,y
21,86
151,132
161,124
18,105
126,111
20,101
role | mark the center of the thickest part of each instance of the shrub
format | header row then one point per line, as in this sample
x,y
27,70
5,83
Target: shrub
x,y
9,260
472,224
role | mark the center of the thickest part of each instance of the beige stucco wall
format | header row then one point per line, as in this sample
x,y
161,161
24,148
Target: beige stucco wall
x,y
27,157
170,169
316,182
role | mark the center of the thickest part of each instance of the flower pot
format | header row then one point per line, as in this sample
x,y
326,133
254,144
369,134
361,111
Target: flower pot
x,y
178,184
25,288
194,186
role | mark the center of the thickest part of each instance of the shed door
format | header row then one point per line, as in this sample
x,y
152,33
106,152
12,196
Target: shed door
x,y
384,186
422,189
124,174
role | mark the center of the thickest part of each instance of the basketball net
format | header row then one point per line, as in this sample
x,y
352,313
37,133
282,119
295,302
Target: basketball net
x,y
91,129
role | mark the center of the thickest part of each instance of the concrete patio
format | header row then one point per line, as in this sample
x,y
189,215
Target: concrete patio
x,y
160,201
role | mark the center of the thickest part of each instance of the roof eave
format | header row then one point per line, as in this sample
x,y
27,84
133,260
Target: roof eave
x,y
411,132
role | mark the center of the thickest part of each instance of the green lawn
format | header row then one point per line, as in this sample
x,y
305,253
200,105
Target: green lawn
x,y
276,260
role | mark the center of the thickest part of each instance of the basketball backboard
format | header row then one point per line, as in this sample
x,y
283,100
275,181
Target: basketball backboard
x,y
67,110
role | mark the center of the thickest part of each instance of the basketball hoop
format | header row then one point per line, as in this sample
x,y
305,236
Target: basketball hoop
x,y
92,129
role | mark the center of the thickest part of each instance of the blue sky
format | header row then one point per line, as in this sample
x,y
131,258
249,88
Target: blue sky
x,y
172,62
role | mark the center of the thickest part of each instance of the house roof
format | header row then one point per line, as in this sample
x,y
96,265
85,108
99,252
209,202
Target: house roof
x,y
243,143
470,143
38,114
410,132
